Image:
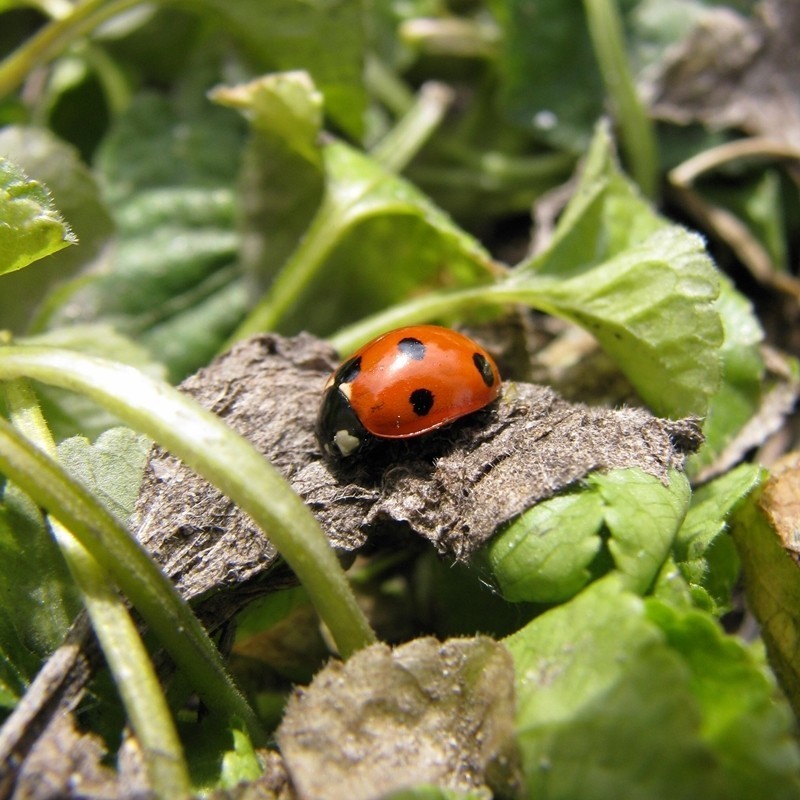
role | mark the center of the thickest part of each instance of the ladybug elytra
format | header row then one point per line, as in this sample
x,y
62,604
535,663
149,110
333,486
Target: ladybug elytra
x,y
405,383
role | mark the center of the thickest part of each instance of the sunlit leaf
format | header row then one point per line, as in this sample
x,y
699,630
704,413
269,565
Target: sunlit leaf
x,y
618,697
624,520
30,226
645,288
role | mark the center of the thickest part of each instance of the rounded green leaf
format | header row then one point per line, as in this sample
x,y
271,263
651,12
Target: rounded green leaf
x,y
30,226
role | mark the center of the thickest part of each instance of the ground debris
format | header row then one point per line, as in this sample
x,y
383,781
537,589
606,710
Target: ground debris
x,y
735,71
426,712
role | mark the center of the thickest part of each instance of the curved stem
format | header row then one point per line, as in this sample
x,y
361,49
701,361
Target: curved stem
x,y
386,86
404,141
231,463
54,37
133,671
420,309
131,568
119,639
296,273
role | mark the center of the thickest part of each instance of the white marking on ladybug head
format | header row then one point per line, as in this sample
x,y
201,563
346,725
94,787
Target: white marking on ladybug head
x,y
346,442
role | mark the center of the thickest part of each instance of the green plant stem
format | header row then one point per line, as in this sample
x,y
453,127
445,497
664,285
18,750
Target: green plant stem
x,y
119,639
636,128
325,230
231,463
419,309
134,675
405,139
441,304
504,171
385,86
456,37
121,556
54,37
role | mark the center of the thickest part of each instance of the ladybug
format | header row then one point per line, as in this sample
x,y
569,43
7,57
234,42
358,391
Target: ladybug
x,y
404,383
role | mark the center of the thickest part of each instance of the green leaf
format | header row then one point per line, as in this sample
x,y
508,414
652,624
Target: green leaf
x,y
651,308
757,201
323,37
111,468
624,520
17,666
740,391
173,282
605,216
743,723
550,80
30,226
378,214
643,517
546,555
704,554
241,763
33,569
285,105
618,697
365,214
58,164
644,288
157,144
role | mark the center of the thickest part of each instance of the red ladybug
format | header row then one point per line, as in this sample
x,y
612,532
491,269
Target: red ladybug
x,y
402,384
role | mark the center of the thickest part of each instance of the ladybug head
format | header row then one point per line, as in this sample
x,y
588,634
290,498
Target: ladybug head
x,y
339,431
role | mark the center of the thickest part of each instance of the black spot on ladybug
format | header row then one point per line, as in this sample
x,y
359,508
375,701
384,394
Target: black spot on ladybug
x,y
348,372
421,401
413,348
484,367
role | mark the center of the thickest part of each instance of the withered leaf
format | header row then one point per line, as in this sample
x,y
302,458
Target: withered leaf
x,y
734,72
453,488
61,760
765,529
54,692
424,713
780,502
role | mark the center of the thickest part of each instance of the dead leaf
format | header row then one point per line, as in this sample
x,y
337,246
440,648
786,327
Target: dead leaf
x,y
737,72
65,763
780,502
424,713
453,488
56,690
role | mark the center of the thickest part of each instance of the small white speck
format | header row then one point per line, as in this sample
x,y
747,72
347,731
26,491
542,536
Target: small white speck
x,y
545,120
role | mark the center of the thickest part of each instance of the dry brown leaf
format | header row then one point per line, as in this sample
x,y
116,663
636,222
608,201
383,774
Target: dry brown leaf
x,y
734,72
780,502
424,713
453,488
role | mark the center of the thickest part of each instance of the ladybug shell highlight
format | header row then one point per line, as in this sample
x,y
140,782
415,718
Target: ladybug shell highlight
x,y
404,383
